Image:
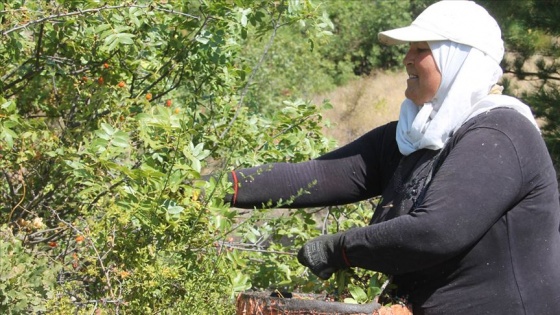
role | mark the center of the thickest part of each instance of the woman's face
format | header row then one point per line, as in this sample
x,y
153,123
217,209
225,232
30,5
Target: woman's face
x,y
424,77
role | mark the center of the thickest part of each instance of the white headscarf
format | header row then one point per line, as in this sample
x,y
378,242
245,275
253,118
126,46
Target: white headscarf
x,y
468,76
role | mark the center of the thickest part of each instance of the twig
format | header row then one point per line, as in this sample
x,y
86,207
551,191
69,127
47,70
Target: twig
x,y
533,74
39,45
170,66
20,177
383,287
103,193
105,273
175,12
36,234
10,186
325,222
82,12
22,78
246,249
250,79
103,301
285,130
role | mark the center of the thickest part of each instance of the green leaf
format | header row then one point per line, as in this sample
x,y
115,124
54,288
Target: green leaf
x,y
8,135
120,139
357,293
101,28
109,130
239,282
8,106
99,144
253,234
172,207
196,165
175,209
125,38
110,42
103,135
202,40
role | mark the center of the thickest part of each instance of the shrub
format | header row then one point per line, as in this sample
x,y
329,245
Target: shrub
x,y
27,278
109,114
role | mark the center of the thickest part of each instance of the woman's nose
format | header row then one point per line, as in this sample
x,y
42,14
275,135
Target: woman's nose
x,y
408,58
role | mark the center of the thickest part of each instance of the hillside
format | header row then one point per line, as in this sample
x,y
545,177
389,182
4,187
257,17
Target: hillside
x,y
363,104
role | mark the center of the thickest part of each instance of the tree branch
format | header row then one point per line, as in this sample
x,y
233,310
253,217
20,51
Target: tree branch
x,y
532,74
82,12
39,46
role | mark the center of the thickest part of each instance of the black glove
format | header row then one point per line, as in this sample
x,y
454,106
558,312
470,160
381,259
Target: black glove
x,y
324,255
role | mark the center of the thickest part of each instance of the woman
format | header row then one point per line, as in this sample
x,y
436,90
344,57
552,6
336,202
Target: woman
x,y
470,216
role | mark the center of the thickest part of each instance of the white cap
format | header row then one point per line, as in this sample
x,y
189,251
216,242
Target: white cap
x,y
459,21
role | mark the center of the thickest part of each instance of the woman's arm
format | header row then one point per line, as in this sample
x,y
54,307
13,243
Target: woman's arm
x,y
351,173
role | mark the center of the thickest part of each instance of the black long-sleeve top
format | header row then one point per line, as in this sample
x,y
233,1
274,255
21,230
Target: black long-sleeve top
x,y
471,229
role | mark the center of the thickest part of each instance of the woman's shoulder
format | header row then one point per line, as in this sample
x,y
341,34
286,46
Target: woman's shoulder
x,y
503,119
506,127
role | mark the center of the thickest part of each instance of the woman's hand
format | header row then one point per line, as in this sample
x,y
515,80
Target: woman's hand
x,y
324,255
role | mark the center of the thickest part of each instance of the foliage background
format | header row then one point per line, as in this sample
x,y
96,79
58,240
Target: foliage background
x,y
111,112
531,30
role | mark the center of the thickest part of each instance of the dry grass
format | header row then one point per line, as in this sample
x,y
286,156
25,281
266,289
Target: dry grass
x,y
363,104
368,102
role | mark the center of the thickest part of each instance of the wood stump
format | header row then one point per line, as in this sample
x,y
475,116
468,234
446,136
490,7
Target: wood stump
x,y
262,303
